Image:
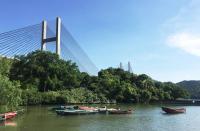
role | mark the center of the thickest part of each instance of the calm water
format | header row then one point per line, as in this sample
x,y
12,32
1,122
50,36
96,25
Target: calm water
x,y
146,117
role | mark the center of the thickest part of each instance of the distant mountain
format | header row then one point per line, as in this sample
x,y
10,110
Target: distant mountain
x,y
192,86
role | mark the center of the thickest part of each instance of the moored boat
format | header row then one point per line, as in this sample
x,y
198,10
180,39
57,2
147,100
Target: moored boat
x,y
105,109
75,112
87,108
112,109
76,107
7,115
173,110
2,117
65,107
120,111
102,109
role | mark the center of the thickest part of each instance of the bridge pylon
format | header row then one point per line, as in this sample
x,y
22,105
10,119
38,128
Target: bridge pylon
x,y
45,40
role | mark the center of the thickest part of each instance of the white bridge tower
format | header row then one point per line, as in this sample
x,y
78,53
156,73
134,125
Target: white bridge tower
x,y
45,40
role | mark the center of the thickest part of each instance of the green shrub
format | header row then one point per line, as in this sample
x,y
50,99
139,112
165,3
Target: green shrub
x,y
10,94
31,97
50,97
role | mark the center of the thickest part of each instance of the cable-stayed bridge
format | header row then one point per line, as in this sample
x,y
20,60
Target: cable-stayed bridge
x,y
49,35
127,67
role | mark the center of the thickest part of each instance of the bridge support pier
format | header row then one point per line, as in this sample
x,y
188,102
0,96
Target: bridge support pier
x,y
45,40
58,31
44,35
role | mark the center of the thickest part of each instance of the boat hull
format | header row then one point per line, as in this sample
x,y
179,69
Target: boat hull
x,y
102,111
64,108
173,111
76,112
87,108
120,112
7,116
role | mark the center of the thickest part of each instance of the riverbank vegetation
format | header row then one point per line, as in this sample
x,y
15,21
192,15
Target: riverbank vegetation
x,y
43,78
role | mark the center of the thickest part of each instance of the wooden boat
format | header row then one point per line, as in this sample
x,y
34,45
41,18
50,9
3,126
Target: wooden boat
x,y
75,112
105,109
102,110
74,107
2,117
173,110
120,111
10,115
112,109
65,107
7,115
87,108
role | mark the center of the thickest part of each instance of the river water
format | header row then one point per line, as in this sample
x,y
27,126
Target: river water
x,y
145,118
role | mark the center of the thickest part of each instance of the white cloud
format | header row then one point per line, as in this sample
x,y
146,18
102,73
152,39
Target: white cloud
x,y
185,41
183,30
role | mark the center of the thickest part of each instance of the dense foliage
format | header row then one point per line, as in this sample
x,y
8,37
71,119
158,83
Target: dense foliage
x,y
193,87
5,65
43,78
10,92
76,95
45,71
122,86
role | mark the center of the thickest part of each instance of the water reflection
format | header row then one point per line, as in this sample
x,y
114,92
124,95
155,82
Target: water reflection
x,y
8,123
145,117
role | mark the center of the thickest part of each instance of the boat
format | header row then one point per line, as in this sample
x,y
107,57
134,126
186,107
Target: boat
x,y
88,108
75,112
2,117
75,107
120,111
112,109
8,115
65,107
173,110
104,109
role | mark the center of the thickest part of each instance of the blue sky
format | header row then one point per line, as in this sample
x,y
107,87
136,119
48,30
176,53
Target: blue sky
x,y
159,37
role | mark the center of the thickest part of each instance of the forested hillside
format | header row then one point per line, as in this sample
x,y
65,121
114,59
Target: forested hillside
x,y
193,87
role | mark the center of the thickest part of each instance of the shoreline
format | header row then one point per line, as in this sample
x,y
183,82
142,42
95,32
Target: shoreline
x,y
172,102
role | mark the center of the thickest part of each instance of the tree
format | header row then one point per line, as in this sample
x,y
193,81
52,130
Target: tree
x,y
144,82
46,79
5,65
145,96
178,92
46,71
10,94
130,93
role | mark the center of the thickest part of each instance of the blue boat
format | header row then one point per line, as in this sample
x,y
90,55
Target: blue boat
x,y
75,112
65,107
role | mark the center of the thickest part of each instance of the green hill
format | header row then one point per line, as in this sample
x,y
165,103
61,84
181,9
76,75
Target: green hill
x,y
193,87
